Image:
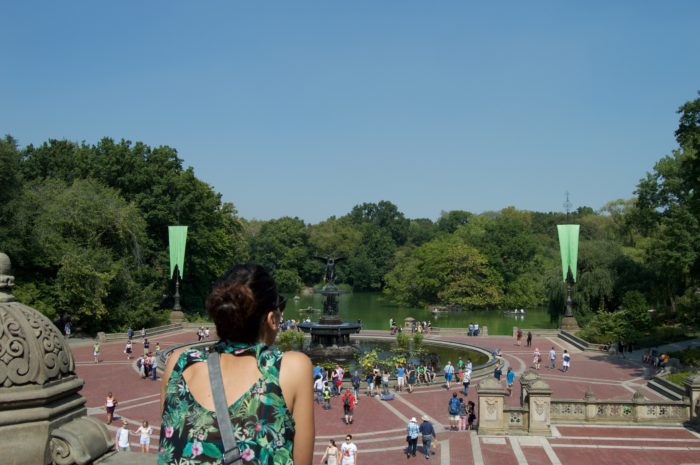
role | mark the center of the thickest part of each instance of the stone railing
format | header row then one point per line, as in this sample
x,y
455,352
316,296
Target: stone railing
x,y
538,411
104,337
638,410
517,418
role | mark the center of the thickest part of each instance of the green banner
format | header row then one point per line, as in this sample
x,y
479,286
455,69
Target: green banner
x,y
178,239
568,245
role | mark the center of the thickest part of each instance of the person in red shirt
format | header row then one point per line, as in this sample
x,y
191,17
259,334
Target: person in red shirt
x,y
348,400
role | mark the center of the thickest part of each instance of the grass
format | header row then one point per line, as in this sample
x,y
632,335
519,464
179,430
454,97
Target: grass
x,y
678,377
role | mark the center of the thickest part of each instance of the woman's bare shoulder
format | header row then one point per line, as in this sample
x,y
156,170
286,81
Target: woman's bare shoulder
x,y
295,364
296,359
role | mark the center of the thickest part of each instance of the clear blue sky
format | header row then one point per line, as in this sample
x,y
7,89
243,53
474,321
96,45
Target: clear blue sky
x,y
309,108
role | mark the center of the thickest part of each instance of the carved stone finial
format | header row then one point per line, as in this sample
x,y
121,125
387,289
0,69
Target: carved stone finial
x,y
7,281
638,396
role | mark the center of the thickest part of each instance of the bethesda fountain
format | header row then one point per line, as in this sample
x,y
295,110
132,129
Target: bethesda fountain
x,y
330,336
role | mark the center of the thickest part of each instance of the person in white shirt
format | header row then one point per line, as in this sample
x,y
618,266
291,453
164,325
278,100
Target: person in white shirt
x,y
122,438
552,358
145,440
318,389
348,452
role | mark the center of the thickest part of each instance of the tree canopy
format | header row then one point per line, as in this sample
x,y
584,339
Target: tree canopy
x,y
86,227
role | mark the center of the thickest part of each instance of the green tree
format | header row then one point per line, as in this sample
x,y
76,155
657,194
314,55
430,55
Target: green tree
x,y
452,220
154,180
81,254
384,216
444,270
282,246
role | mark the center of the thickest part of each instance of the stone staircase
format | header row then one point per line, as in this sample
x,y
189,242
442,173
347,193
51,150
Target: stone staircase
x,y
666,388
578,342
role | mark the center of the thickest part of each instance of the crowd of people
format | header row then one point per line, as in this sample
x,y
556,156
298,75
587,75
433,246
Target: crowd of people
x,y
247,312
421,327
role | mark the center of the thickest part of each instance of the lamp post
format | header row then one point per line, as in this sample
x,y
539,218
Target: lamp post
x,y
177,236
568,244
177,306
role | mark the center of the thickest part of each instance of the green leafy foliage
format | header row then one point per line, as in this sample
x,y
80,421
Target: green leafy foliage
x,y
444,270
290,340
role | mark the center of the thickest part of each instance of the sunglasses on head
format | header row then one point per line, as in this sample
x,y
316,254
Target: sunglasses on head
x,y
281,303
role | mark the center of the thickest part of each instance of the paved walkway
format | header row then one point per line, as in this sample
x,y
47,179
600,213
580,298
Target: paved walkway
x,y
379,427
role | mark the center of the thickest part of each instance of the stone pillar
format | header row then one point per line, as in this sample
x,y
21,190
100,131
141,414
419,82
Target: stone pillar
x,y
591,406
491,401
526,381
692,391
638,410
539,396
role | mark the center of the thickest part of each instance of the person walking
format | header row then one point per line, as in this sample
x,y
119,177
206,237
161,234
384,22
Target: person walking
x,y
449,371
96,351
552,358
122,437
529,338
510,379
332,454
348,452
326,396
453,411
536,358
110,405
154,366
356,381
145,432
128,349
427,434
411,378
412,432
348,405
566,361
466,380
318,389
130,333
497,372
400,373
334,381
462,424
377,381
518,337
385,382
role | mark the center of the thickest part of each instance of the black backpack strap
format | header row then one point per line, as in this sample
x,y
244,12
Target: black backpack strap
x,y
232,454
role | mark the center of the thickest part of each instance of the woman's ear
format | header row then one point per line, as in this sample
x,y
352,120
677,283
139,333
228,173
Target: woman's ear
x,y
272,321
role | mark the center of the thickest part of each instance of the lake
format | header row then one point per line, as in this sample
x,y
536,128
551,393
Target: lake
x,y
375,310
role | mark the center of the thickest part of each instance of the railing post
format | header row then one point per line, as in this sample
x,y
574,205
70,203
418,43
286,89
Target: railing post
x,y
539,404
692,390
591,406
491,401
638,410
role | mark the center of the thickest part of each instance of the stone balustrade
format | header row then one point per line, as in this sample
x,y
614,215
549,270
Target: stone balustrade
x,y
538,411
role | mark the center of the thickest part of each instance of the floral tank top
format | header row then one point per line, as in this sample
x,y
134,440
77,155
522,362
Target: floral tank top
x,y
262,424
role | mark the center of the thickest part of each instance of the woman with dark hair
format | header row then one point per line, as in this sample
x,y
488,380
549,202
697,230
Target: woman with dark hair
x,y
269,394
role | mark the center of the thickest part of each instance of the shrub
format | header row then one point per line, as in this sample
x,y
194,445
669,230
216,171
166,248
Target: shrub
x,y
291,340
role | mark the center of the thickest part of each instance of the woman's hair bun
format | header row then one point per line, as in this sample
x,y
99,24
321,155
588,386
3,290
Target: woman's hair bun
x,y
240,300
